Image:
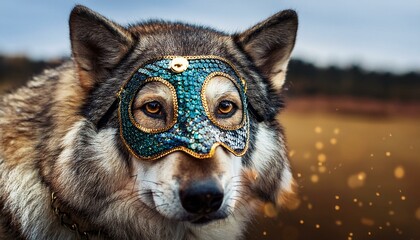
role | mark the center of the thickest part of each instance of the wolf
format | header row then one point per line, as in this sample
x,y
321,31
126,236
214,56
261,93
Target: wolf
x,y
156,130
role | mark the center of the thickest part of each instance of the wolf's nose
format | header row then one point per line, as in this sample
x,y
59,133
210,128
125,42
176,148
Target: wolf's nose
x,y
202,197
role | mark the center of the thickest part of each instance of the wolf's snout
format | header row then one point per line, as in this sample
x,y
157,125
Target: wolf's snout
x,y
202,197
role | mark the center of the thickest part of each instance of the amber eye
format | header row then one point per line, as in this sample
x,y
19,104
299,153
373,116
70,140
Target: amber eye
x,y
226,108
152,108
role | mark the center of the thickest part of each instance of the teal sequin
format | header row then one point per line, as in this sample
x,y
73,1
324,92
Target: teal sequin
x,y
193,129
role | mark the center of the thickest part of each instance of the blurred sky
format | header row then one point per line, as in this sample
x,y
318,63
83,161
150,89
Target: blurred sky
x,y
378,34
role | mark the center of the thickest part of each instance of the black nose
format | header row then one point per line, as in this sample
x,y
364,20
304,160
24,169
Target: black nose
x,y
202,197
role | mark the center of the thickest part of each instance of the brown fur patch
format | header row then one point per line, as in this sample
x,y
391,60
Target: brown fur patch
x,y
192,169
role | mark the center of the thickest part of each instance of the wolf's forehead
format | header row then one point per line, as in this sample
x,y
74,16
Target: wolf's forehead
x,y
162,27
164,38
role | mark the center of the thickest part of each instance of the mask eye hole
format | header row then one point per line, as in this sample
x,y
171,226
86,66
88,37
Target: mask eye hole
x,y
154,108
223,102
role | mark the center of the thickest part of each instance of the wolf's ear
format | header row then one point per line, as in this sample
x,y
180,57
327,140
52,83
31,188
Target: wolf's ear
x,y
97,44
270,44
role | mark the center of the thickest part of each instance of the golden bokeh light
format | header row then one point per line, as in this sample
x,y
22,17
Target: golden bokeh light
x,y
399,172
322,169
333,141
318,129
356,180
270,210
314,178
336,131
292,203
367,221
417,213
319,145
291,153
322,157
388,154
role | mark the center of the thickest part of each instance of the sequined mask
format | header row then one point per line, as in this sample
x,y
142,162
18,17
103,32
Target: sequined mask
x,y
192,127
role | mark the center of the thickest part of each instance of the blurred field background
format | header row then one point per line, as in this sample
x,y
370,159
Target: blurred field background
x,y
357,175
353,104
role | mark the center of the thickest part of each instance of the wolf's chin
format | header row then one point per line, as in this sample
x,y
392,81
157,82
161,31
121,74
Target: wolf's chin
x,y
198,220
203,220
195,219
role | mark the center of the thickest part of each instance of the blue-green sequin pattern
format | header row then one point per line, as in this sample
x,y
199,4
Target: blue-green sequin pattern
x,y
193,129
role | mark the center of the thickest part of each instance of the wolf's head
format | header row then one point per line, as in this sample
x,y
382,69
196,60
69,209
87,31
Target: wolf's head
x,y
118,175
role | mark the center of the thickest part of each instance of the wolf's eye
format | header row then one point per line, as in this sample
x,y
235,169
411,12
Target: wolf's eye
x,y
153,109
223,101
226,109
